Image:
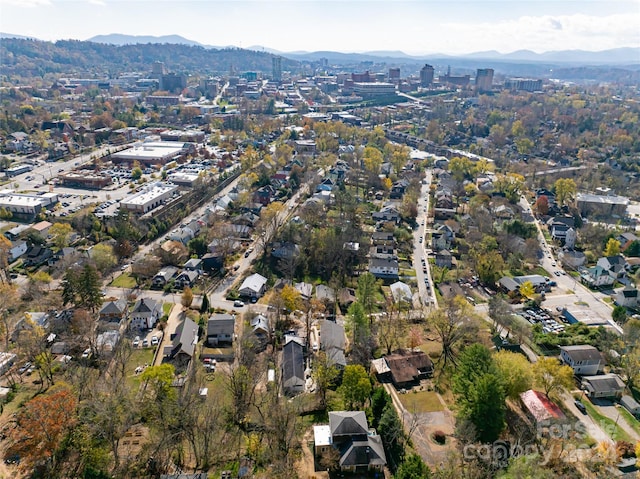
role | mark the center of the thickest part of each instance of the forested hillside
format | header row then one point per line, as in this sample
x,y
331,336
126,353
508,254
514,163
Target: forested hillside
x,y
36,58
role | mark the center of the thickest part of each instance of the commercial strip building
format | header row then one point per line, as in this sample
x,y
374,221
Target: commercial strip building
x,y
26,205
153,153
602,205
149,198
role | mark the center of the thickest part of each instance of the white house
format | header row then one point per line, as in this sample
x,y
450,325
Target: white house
x,y
253,286
145,313
384,268
18,248
584,359
627,297
615,265
598,276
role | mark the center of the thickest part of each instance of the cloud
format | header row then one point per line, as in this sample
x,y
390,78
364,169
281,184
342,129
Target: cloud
x,y
99,3
25,3
554,32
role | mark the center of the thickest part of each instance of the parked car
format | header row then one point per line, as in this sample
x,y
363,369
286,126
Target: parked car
x,y
238,304
145,343
86,353
136,342
581,407
155,341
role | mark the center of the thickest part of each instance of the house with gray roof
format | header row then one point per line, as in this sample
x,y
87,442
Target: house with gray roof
x,y
183,343
113,311
293,379
220,329
360,448
332,342
145,313
603,386
253,286
162,278
584,359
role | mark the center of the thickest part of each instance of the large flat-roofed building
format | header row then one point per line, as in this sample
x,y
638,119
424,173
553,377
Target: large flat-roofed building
x,y
484,79
26,205
196,136
523,84
85,180
601,205
369,89
149,198
151,153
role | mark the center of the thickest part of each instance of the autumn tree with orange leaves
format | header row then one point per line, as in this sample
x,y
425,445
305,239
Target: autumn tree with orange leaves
x,y
42,424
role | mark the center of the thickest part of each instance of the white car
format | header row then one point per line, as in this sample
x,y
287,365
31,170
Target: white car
x,y
155,341
136,342
86,353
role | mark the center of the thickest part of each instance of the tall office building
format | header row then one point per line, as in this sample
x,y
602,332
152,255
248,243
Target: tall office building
x,y
484,79
276,66
426,75
394,75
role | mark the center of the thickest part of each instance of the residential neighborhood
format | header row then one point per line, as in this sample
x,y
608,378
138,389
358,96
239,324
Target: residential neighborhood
x,y
317,270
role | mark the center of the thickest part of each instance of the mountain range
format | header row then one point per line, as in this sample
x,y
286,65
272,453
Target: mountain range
x,y
625,55
616,56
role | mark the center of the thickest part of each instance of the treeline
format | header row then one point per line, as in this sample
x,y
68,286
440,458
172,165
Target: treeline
x,y
36,58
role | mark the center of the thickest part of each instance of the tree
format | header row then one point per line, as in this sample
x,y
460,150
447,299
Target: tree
x,y
103,257
525,467
515,371
290,298
393,436
612,248
413,467
527,290
480,393
198,246
204,306
564,189
619,314
541,205
489,266
157,380
355,387
452,323
81,288
8,301
187,297
60,233
367,287
324,374
5,250
136,173
550,375
372,160
41,424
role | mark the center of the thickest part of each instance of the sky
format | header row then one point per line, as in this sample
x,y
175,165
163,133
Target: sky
x,y
414,26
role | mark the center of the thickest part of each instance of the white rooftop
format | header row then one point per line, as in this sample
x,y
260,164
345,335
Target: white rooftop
x,y
322,435
149,194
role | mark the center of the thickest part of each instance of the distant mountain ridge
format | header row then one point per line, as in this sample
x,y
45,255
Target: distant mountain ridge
x,y
623,55
122,39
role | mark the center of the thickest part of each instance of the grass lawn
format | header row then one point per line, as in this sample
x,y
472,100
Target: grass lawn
x,y
25,392
166,308
139,357
421,401
608,425
124,281
631,421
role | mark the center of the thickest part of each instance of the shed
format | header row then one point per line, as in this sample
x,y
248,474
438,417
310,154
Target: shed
x,y
630,405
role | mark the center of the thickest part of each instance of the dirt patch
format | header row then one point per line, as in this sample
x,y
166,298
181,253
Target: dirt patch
x,y
305,466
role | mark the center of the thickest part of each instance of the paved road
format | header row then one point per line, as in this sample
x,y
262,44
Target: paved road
x,y
420,245
569,291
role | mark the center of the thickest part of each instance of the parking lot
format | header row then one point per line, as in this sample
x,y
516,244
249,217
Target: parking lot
x,y
542,316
